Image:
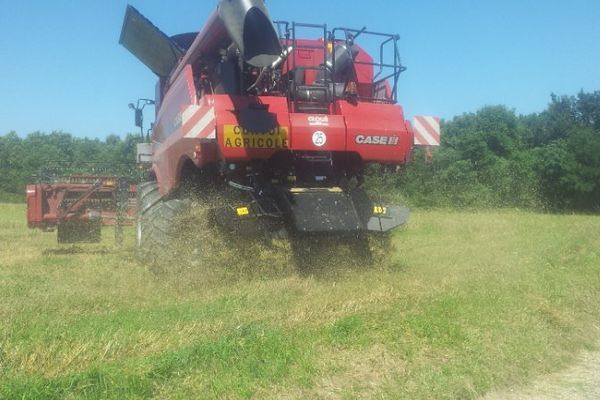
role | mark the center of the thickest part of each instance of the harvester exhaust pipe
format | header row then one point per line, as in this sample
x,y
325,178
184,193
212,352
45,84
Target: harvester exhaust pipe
x,y
249,25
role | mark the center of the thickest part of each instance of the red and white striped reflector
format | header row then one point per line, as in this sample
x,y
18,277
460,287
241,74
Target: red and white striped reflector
x,y
427,131
199,122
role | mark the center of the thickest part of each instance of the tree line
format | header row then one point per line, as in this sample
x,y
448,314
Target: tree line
x,y
496,158
25,160
491,158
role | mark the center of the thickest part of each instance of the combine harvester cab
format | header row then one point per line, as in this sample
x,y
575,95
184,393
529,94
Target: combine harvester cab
x,y
282,126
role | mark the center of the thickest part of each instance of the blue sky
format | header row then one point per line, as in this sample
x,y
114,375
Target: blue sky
x,y
61,67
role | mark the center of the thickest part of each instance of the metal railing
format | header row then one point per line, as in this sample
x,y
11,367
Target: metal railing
x,y
289,37
383,70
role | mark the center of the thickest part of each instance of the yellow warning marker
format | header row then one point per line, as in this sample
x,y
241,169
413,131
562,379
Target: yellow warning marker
x,y
242,211
377,210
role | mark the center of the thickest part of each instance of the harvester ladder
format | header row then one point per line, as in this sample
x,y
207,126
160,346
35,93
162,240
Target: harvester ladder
x,y
298,105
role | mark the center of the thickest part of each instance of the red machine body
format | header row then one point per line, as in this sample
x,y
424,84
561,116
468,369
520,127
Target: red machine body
x,y
288,114
209,128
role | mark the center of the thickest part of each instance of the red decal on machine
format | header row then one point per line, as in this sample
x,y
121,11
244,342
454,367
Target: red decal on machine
x,y
198,122
319,138
315,120
378,140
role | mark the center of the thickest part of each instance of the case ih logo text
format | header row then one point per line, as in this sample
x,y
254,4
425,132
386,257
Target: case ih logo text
x,y
379,140
314,120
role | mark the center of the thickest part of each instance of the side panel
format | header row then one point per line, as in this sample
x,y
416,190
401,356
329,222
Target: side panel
x,y
378,132
185,130
314,132
181,95
256,128
34,195
252,127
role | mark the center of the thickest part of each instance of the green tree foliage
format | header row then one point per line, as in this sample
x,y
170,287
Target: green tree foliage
x,y
495,158
568,159
21,159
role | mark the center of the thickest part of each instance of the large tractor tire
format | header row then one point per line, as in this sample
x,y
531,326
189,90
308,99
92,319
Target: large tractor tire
x,y
156,228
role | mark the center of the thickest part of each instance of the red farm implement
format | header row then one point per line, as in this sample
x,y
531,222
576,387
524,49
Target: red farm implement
x,y
77,205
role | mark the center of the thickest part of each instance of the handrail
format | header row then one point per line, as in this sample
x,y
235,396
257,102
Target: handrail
x,y
287,32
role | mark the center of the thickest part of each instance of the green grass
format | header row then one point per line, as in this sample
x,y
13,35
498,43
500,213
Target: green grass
x,y
12,198
472,301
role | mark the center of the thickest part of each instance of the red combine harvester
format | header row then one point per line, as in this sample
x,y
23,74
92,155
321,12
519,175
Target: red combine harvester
x,y
281,126
77,206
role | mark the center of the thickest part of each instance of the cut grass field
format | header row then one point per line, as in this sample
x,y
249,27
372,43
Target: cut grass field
x,y
472,302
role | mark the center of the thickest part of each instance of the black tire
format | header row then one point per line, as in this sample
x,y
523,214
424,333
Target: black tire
x,y
156,229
